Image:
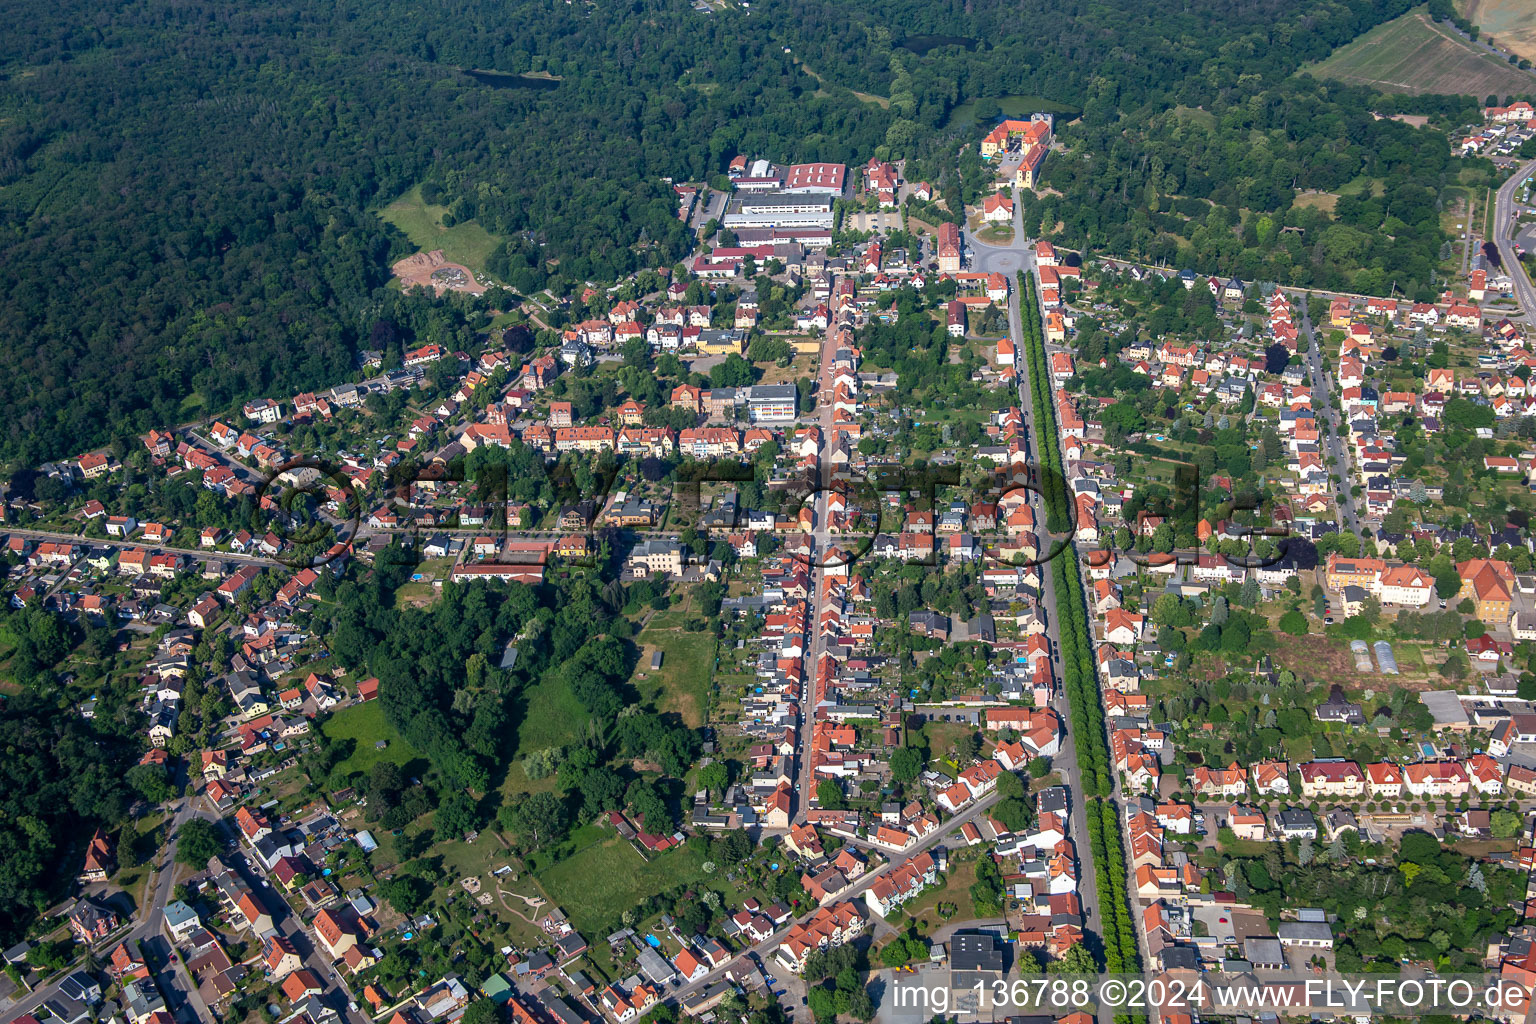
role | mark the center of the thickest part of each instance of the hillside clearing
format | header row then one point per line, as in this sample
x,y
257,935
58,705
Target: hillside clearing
x,y
467,242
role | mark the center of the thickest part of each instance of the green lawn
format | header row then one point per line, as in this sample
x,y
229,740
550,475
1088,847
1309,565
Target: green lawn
x,y
687,667
551,716
941,736
476,858
1245,848
415,595
956,889
674,616
1298,748
1014,106
596,885
364,724
467,243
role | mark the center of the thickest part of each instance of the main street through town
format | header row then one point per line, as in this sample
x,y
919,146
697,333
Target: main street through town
x,y
816,646
1504,231
1322,398
1007,260
1066,761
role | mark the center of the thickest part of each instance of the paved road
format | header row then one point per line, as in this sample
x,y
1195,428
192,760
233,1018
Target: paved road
x,y
1322,399
288,924
1009,259
821,539
1466,236
175,985
1503,237
710,206
1065,762
239,468
161,888
117,544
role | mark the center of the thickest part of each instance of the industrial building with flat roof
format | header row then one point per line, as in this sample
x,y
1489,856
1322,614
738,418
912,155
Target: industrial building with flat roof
x,y
780,210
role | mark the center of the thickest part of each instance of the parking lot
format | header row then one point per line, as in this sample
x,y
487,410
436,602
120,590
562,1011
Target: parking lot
x,y
880,220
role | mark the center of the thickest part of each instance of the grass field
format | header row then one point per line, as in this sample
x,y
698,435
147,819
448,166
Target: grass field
x,y
801,366
467,243
364,725
1298,748
1324,201
596,885
417,595
551,716
1245,847
1414,55
687,666
466,859
924,910
1015,106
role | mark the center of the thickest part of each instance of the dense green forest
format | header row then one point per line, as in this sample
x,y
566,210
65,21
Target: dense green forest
x,y
1217,192
61,776
442,686
188,189
1101,55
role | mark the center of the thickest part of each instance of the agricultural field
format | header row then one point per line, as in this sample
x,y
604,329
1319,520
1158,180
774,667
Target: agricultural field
x,y
1412,54
1509,23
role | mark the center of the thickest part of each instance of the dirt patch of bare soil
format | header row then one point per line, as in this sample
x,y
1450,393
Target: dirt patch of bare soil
x,y
431,270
